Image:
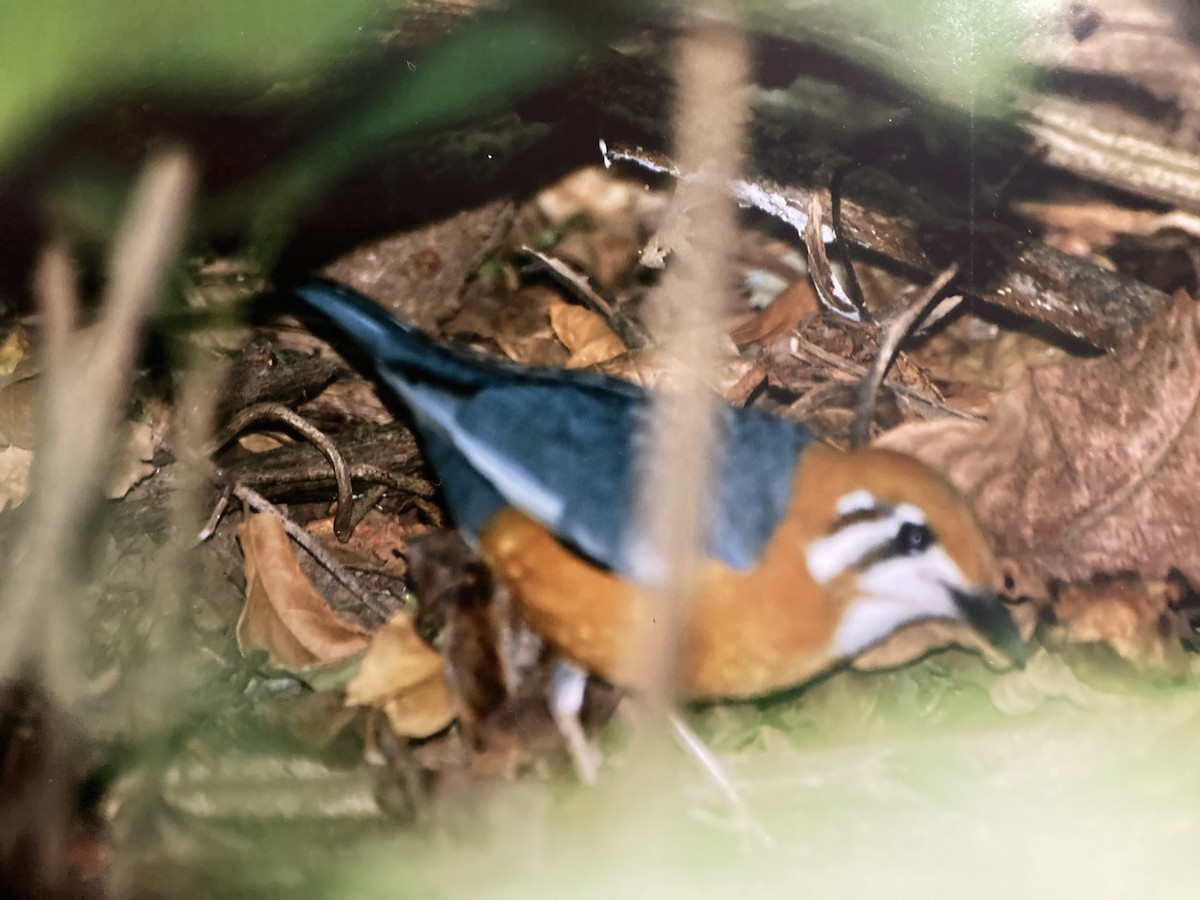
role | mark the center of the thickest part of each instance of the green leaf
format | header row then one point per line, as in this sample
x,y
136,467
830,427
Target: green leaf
x,y
965,54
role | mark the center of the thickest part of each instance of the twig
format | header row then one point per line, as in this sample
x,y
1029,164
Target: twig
x,y
830,292
312,546
87,378
893,328
344,474
632,332
277,412
214,517
806,346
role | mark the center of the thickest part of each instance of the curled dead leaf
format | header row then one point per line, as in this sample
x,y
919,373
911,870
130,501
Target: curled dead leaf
x,y
1089,466
403,676
284,614
778,317
584,334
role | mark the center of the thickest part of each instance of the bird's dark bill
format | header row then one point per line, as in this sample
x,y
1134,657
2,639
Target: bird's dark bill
x,y
987,614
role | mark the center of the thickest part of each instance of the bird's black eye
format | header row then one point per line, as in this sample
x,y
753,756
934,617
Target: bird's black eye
x,y
913,538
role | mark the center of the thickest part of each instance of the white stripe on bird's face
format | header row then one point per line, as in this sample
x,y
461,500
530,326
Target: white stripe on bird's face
x,y
856,501
900,572
861,529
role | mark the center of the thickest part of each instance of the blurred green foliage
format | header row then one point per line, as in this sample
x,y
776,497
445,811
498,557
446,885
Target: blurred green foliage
x,y
60,56
479,66
966,55
57,55
900,784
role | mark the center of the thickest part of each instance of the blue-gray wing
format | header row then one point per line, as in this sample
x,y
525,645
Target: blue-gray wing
x,y
568,456
561,446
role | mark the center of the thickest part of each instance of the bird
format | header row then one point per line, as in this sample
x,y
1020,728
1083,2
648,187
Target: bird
x,y
811,555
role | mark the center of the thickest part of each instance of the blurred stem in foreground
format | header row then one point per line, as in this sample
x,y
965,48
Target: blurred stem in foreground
x,y
88,375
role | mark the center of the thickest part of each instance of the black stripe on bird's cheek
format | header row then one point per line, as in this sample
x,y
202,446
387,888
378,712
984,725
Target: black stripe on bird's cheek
x,y
894,548
885,551
859,516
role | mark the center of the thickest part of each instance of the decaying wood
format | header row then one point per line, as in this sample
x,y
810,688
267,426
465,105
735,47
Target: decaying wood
x,y
1027,277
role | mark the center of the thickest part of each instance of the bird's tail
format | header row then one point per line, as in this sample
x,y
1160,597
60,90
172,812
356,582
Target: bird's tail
x,y
397,349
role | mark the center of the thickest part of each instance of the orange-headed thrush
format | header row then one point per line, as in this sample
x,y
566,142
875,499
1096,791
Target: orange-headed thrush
x,y
813,555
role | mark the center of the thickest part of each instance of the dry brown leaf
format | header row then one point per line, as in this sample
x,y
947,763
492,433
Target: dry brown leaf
x,y
778,317
584,334
518,324
1083,228
284,614
15,361
646,368
537,350
914,641
15,465
348,400
378,542
737,378
404,677
489,652
1129,614
1046,675
18,404
419,275
995,364
1089,466
1096,223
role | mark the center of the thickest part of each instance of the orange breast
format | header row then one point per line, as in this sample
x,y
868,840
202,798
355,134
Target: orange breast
x,y
748,632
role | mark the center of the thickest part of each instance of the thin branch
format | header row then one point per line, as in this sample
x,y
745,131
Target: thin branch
x,y
711,73
277,412
803,345
893,329
370,599
87,380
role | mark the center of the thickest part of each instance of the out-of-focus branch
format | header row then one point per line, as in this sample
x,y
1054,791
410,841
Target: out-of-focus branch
x,y
711,73
87,380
